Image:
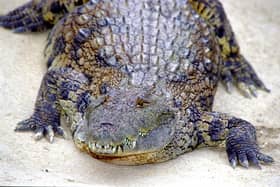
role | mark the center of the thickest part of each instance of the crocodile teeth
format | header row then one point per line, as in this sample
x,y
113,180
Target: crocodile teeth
x,y
92,147
119,149
133,144
105,149
96,147
114,149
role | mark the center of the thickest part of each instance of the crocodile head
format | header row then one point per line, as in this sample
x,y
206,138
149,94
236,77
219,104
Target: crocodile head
x,y
126,126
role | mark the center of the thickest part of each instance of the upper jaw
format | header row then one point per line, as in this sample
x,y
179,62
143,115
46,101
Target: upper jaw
x,y
153,141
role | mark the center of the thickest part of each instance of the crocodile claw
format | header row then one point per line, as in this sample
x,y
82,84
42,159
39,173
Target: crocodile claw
x,y
238,71
246,154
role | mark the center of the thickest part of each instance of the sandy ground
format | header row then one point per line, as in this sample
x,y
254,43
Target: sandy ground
x,y
26,162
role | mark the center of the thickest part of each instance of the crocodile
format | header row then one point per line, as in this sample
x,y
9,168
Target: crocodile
x,y
135,80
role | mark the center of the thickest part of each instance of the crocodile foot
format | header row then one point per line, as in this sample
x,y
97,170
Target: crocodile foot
x,y
27,17
241,146
238,71
44,123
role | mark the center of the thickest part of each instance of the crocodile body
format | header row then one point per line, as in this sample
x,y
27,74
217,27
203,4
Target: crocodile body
x,y
136,79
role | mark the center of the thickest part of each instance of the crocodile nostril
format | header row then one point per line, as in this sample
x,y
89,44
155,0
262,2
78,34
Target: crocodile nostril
x,y
106,124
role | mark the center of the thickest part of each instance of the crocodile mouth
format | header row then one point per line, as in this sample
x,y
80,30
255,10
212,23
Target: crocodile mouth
x,y
111,149
142,148
116,154
126,148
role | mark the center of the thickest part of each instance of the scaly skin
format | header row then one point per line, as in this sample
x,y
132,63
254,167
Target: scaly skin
x,y
136,79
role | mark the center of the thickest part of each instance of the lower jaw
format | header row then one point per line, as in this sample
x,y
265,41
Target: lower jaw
x,y
132,159
129,159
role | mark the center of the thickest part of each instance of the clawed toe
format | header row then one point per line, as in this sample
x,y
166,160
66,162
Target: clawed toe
x,y
232,159
61,132
249,158
26,125
265,158
39,134
50,133
233,163
243,161
252,157
247,90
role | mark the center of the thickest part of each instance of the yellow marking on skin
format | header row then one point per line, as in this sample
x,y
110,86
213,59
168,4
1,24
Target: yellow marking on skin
x,y
73,96
203,126
49,16
207,13
201,7
59,61
208,118
144,131
208,140
206,137
195,4
234,49
226,47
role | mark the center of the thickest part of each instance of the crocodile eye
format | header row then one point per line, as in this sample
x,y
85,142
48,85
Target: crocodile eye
x,y
140,102
103,89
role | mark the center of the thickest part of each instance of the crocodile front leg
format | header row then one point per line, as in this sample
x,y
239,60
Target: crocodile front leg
x,y
201,129
238,135
58,84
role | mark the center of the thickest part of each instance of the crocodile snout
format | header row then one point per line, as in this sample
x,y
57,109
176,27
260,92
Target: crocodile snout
x,y
129,122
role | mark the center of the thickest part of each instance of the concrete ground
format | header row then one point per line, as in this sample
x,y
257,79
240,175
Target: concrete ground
x,y
26,162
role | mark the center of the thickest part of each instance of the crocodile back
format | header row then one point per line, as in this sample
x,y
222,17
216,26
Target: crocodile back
x,y
146,41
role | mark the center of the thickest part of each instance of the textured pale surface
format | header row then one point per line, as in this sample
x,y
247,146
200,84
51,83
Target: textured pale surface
x,y
24,161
